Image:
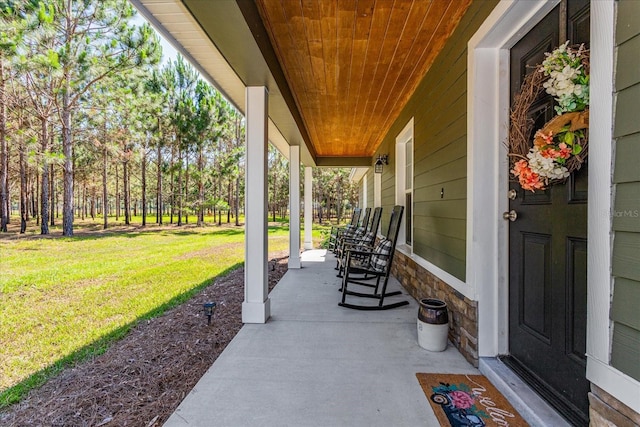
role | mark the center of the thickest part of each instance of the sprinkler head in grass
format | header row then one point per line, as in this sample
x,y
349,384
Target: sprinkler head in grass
x,y
209,308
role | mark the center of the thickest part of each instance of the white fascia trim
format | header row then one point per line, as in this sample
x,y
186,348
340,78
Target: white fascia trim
x,y
446,277
614,382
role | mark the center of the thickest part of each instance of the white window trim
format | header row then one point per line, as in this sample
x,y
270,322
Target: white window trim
x,y
401,140
487,176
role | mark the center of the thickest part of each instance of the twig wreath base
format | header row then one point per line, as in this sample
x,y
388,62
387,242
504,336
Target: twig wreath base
x,y
520,143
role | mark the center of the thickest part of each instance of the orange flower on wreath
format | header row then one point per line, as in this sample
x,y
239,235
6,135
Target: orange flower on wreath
x,y
529,180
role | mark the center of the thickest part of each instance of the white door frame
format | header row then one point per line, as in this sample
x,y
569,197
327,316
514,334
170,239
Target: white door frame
x,y
487,166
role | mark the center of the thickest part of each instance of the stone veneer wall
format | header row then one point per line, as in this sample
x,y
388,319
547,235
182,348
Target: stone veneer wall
x,y
607,411
463,312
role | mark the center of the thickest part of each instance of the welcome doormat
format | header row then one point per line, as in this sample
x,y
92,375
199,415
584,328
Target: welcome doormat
x,y
468,400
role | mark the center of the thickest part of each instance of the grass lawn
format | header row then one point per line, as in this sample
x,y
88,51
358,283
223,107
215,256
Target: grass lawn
x,y
64,299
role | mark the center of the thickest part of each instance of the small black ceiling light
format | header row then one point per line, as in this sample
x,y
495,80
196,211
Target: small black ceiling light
x,y
209,308
383,159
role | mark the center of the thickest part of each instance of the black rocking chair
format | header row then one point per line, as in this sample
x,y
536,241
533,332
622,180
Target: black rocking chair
x,y
360,242
337,231
372,264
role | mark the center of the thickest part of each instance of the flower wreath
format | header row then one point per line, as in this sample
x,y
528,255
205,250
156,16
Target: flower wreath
x,y
561,146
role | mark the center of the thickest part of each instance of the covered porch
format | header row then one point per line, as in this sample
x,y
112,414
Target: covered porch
x,y
425,86
316,364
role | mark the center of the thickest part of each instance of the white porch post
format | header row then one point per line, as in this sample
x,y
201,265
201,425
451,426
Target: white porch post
x,y
365,202
256,305
294,206
308,208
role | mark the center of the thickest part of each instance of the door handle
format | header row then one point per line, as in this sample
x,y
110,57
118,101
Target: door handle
x,y
511,215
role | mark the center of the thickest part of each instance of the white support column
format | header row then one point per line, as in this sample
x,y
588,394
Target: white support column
x,y
308,208
256,307
365,190
294,206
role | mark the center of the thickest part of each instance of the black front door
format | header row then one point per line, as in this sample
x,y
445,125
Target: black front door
x,y
548,248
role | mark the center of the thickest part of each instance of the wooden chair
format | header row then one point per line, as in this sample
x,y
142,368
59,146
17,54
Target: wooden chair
x,y
361,242
375,221
337,231
364,222
374,264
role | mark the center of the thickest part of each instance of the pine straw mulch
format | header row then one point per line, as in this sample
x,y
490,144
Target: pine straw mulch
x,y
141,379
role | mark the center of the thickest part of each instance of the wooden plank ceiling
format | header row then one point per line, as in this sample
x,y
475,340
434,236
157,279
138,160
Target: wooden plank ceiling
x,y
352,65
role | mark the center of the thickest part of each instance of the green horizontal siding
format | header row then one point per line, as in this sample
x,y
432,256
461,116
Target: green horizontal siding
x,y
454,190
439,110
625,348
625,303
627,147
626,212
447,227
453,170
628,67
626,119
628,18
626,255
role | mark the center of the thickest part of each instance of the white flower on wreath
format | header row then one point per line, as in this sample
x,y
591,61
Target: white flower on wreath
x,y
546,166
568,83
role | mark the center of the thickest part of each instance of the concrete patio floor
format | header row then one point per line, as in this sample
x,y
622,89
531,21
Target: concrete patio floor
x,y
317,364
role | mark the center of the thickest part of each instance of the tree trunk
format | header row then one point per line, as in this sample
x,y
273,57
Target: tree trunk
x,y
144,186
117,195
200,187
34,197
186,186
94,202
8,199
172,185
125,188
275,179
67,151
84,200
219,197
4,157
44,186
52,193
159,207
179,184
237,201
24,201
230,196
105,209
